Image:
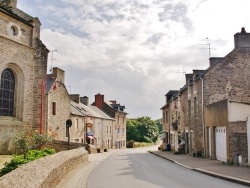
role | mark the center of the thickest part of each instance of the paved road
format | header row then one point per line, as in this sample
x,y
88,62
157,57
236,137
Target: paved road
x,y
137,168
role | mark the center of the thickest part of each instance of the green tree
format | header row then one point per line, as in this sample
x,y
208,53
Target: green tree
x,y
142,129
159,125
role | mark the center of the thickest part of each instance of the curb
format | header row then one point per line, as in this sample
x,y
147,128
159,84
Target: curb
x,y
213,174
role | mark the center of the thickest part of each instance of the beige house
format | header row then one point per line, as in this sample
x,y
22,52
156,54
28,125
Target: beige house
x,y
23,66
115,111
57,105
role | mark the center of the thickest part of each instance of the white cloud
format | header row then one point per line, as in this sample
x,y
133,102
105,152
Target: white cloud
x,y
132,50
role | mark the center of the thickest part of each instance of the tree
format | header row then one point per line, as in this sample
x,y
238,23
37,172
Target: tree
x,y
142,129
159,125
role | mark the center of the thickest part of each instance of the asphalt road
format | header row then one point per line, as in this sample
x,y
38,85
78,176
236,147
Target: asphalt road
x,y
136,168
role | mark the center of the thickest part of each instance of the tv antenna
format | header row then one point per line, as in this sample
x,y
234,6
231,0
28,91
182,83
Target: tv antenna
x,y
181,70
52,60
209,48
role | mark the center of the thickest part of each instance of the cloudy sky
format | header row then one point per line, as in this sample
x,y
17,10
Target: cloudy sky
x,y
135,51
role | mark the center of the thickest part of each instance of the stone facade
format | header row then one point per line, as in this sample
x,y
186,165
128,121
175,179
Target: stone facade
x,y
115,111
21,52
58,107
216,102
228,79
192,94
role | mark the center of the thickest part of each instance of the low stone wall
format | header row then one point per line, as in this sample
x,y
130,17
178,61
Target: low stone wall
x,y
45,172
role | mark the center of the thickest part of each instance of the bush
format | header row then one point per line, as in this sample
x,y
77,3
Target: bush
x,y
142,144
130,144
19,160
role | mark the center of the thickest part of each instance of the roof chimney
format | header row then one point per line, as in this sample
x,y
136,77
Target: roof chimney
x,y
8,3
84,100
59,74
99,99
75,98
242,39
214,60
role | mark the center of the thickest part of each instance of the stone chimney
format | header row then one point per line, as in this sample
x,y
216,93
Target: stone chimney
x,y
214,60
189,78
75,98
242,39
113,101
84,100
99,99
8,3
58,74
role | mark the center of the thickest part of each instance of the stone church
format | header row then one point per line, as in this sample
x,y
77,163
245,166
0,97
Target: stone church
x,y
23,67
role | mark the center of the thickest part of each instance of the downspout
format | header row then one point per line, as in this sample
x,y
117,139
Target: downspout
x,y
202,115
42,107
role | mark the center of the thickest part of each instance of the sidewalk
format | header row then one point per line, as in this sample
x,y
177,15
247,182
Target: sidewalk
x,y
237,174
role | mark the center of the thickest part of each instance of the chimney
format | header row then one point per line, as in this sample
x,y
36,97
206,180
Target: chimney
x,y
242,39
84,100
99,99
75,98
214,60
189,78
58,74
8,3
113,101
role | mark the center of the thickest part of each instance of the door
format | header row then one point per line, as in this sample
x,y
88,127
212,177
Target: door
x,y
220,144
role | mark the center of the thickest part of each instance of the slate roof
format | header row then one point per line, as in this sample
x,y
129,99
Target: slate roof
x,y
81,109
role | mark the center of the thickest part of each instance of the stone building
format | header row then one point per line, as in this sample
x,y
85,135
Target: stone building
x,y
57,105
192,102
116,111
226,101
216,106
23,65
90,124
167,119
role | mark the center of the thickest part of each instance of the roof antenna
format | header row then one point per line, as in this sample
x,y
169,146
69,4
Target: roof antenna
x,y
52,60
209,48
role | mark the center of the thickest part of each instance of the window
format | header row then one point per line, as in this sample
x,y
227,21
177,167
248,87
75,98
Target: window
x,y
166,116
110,129
107,129
189,109
163,117
7,91
53,108
77,124
195,107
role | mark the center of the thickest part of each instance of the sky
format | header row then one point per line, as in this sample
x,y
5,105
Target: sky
x,y
135,51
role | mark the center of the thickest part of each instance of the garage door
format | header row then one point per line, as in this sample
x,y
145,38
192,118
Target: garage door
x,y
220,144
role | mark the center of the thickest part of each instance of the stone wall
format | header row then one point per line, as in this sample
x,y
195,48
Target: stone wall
x,y
229,78
238,142
44,172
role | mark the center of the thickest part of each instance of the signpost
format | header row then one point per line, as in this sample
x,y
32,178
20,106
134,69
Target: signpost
x,y
68,125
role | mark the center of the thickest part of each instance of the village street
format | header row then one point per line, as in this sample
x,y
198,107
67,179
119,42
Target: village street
x,y
137,168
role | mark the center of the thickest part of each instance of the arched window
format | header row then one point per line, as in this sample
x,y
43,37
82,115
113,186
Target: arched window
x,y
7,89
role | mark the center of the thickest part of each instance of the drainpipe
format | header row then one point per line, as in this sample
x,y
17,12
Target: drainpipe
x,y
202,114
42,107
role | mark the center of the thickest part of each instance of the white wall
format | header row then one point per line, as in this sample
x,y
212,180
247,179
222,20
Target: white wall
x,y
238,111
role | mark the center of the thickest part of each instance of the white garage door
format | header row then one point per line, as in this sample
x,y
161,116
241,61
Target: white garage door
x,y
220,144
